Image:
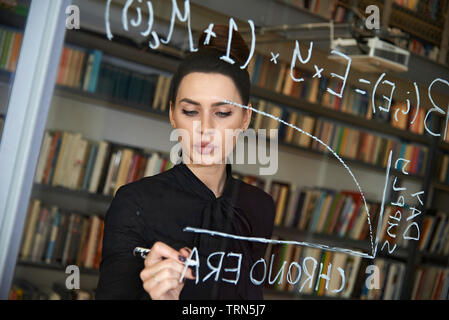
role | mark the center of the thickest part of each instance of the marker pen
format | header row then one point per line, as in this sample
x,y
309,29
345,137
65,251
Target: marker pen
x,y
143,252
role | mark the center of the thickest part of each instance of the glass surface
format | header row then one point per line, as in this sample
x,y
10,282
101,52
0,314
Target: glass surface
x,y
109,114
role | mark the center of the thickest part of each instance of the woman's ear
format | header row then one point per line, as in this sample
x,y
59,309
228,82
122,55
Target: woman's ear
x,y
170,115
247,117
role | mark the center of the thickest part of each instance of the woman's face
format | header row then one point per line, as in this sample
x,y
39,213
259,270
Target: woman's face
x,y
208,127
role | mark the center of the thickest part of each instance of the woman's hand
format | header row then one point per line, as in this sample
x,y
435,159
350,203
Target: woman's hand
x,y
163,269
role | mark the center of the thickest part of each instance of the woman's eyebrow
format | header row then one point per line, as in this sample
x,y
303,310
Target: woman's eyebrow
x,y
216,104
219,103
189,101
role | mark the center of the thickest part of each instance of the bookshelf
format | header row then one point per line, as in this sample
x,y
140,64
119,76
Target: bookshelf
x,y
168,65
424,21
98,203
84,97
415,21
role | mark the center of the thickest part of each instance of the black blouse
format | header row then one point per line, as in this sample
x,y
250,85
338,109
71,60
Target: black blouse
x,y
159,207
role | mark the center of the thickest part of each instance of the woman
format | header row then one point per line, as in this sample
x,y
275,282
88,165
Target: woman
x,y
153,211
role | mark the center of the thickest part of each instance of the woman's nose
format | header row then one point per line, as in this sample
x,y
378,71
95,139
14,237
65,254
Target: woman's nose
x,y
207,125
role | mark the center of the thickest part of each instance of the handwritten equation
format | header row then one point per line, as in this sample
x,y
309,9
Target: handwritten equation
x,y
300,58
296,56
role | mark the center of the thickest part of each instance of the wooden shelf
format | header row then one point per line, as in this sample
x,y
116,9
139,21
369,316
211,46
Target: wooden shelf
x,y
308,12
108,102
55,267
441,186
437,23
351,162
11,19
434,259
122,51
78,201
444,146
75,193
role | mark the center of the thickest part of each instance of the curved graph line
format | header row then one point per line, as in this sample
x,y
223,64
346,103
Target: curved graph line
x,y
274,241
329,148
107,22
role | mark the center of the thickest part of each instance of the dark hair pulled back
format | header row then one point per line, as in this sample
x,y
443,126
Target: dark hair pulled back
x,y
207,59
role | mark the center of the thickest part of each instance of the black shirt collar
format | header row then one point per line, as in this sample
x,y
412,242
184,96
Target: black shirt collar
x,y
201,188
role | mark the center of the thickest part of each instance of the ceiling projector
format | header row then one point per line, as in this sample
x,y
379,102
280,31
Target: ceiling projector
x,y
371,54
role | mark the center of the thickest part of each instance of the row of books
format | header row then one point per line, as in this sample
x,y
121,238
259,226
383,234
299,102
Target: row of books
x,y
435,234
328,211
342,13
130,86
92,71
22,289
19,8
250,179
415,115
443,166
262,69
355,103
71,66
81,68
314,90
71,161
431,283
346,141
391,273
54,236
260,121
277,254
364,146
416,45
323,8
429,9
10,42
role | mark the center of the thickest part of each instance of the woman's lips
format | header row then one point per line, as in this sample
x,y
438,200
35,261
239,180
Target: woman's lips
x,y
205,147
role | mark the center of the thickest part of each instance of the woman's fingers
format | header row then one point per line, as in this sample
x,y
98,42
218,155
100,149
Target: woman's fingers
x,y
166,264
162,289
190,273
164,267
160,251
185,252
160,283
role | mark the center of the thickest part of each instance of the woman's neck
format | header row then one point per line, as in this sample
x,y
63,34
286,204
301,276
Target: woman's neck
x,y
213,176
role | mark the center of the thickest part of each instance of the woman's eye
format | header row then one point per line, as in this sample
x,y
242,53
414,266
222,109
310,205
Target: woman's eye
x,y
224,114
189,113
